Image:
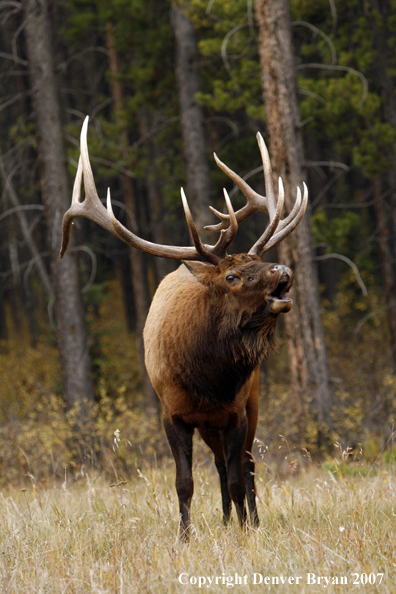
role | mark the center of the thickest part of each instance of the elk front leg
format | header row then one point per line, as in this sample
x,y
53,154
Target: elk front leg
x,y
248,470
234,447
225,495
180,436
212,438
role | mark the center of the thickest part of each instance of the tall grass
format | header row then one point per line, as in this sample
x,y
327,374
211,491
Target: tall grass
x,y
89,536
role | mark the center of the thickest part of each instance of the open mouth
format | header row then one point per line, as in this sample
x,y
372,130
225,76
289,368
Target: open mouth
x,y
277,301
283,287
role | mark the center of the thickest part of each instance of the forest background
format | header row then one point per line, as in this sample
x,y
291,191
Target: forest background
x,y
117,62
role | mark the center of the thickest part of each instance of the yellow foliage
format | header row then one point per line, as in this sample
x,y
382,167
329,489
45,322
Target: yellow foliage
x,y
37,436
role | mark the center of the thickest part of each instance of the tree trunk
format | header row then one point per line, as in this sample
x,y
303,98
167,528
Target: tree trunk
x,y
136,257
386,217
69,312
192,116
386,263
306,344
153,193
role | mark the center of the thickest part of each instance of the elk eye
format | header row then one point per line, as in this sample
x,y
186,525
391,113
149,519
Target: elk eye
x,y
230,278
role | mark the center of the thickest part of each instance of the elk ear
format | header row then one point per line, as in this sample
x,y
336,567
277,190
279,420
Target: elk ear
x,y
203,272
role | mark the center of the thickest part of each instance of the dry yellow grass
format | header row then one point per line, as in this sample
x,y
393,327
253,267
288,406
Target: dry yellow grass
x,y
87,536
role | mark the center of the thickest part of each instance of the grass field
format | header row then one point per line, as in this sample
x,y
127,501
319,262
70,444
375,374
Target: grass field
x,y
89,536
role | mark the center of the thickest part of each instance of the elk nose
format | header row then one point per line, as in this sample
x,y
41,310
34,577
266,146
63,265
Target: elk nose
x,y
286,274
285,269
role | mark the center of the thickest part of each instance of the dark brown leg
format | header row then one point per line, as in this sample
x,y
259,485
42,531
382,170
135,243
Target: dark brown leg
x,y
248,466
212,438
248,471
180,436
225,495
234,448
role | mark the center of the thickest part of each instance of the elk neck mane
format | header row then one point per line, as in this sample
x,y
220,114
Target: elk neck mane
x,y
213,348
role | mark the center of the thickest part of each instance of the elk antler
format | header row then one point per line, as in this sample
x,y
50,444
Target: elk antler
x,y
256,202
93,209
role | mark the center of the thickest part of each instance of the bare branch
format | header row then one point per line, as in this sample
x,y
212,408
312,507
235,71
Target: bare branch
x,y
361,204
333,15
78,55
323,35
225,43
91,253
9,187
13,73
228,121
344,69
16,59
16,35
19,208
209,7
303,91
370,315
323,191
331,164
246,177
8,3
7,15
351,264
106,162
250,14
15,98
16,6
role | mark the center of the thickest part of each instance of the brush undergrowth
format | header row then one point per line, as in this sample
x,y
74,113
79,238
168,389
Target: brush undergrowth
x,y
38,437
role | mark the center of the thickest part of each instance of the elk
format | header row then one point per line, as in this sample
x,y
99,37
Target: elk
x,y
210,324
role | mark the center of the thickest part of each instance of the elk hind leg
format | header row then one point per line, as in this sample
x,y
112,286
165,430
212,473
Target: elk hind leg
x,y
212,438
248,465
234,447
180,436
248,471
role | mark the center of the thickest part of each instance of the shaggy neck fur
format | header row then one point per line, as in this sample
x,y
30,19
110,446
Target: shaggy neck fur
x,y
222,350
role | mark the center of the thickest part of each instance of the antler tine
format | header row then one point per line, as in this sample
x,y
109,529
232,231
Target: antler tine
x,y
91,194
233,228
255,201
68,218
292,224
277,229
219,226
292,213
267,169
258,247
191,224
76,195
227,235
93,209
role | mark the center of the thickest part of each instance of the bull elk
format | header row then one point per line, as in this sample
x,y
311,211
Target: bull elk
x,y
210,324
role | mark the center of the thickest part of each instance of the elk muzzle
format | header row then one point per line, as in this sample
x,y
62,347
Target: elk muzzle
x,y
277,300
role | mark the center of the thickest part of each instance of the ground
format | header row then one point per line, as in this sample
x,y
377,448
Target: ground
x,y
91,535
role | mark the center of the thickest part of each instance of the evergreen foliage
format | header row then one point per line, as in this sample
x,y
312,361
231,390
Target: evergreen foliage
x,y
346,63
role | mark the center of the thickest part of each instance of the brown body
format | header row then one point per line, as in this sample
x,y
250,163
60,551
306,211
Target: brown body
x,y
206,333
211,323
